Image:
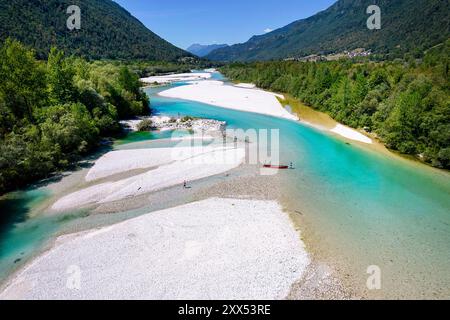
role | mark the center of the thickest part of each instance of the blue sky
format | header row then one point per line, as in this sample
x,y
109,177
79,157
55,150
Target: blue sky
x,y
184,22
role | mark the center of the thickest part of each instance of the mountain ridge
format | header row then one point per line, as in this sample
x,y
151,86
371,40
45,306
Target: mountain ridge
x,y
108,31
201,50
343,27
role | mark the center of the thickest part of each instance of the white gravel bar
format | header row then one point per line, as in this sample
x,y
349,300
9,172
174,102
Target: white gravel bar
x,y
187,164
213,249
231,97
121,161
181,77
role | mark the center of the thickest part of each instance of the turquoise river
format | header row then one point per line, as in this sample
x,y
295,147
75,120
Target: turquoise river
x,y
356,207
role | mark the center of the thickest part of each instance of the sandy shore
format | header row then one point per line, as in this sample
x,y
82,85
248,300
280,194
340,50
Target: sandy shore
x,y
213,249
351,134
322,121
176,165
231,97
176,78
245,85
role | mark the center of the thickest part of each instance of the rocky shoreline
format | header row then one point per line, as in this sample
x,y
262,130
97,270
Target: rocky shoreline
x,y
160,123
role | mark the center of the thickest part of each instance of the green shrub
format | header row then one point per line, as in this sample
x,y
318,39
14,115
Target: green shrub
x,y
145,125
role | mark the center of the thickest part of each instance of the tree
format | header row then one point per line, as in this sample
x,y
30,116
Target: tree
x,y
70,127
60,77
129,81
22,85
53,113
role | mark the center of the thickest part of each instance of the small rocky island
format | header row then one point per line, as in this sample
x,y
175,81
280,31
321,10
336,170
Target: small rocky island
x,y
161,123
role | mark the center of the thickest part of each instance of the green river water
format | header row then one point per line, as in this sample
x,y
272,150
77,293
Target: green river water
x,y
360,207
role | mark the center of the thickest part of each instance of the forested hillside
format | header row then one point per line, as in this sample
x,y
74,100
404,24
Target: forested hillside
x,y
407,26
107,30
407,104
54,112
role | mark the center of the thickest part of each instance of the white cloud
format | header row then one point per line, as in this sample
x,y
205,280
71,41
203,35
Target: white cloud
x,y
268,30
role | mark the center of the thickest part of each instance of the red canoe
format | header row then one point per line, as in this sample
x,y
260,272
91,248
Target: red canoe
x,y
275,167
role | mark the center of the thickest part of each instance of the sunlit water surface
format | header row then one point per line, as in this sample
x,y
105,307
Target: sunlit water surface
x,y
360,208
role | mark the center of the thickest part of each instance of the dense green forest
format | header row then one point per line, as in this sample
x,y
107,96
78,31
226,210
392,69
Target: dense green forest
x,y
407,26
53,112
406,103
107,30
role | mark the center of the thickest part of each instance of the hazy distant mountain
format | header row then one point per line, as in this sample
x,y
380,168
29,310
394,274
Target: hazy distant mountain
x,y
407,26
203,50
107,30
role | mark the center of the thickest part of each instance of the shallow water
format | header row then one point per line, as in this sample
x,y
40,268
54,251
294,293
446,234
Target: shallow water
x,y
23,231
15,209
133,137
362,208
359,207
